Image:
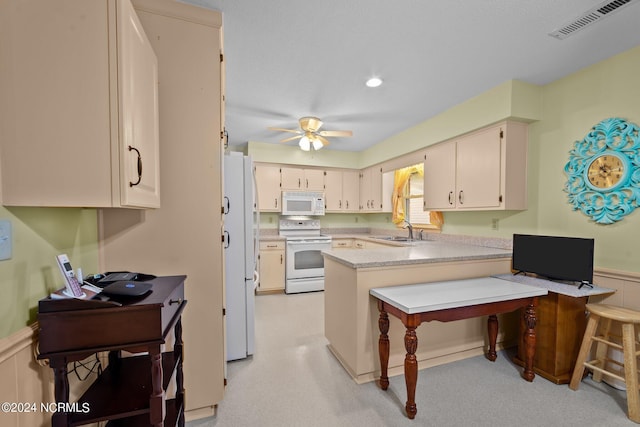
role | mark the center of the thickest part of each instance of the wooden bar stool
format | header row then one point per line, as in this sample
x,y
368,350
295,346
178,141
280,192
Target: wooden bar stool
x,y
628,319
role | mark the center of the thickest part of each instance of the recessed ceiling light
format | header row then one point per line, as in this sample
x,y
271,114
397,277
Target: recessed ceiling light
x,y
374,82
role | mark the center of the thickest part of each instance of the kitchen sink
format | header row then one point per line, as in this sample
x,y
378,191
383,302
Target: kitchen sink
x,y
394,238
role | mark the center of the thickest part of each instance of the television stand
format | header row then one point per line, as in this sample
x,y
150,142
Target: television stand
x,y
561,322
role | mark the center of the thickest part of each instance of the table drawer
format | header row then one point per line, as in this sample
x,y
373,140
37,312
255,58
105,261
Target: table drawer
x,y
172,306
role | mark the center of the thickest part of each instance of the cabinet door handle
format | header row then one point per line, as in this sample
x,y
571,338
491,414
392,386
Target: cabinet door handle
x,y
227,206
131,184
276,199
175,301
450,197
340,204
225,138
347,202
299,183
460,198
227,239
281,258
307,183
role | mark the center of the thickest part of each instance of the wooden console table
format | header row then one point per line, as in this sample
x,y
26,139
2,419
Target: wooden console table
x,y
131,390
445,302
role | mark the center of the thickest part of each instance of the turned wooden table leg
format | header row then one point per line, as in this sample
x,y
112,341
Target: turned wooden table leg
x,y
411,370
156,400
61,389
383,346
529,340
492,326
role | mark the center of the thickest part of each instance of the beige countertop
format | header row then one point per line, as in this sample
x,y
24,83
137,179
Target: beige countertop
x,y
419,252
437,248
270,238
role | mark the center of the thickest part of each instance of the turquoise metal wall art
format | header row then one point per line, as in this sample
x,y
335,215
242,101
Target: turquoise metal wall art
x,y
603,171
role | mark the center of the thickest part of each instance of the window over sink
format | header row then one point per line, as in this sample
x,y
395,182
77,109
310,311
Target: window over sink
x,y
407,199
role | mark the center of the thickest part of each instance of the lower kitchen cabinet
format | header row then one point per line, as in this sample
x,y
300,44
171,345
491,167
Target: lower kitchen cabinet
x,y
341,243
272,266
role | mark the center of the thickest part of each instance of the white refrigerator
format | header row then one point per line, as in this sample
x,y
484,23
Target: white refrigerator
x,y
241,250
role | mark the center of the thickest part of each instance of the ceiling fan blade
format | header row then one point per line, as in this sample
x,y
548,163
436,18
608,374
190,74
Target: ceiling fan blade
x,y
324,140
292,138
285,130
335,133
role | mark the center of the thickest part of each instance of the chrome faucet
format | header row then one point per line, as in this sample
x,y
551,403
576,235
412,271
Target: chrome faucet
x,y
410,227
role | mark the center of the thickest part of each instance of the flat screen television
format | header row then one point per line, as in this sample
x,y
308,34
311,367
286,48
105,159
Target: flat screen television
x,y
554,257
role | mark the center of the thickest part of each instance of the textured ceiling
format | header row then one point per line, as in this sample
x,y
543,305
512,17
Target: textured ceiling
x,y
290,58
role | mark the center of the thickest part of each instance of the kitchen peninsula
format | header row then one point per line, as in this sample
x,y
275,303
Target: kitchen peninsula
x,y
351,314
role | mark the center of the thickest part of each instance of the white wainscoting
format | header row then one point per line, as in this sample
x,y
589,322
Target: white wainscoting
x,y
626,284
23,380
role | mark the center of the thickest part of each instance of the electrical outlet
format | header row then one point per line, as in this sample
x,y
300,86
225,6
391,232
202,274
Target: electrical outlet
x,y
6,241
494,223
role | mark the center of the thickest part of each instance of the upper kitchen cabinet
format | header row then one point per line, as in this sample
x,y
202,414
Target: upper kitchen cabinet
x,y
79,110
371,189
302,179
484,170
342,190
268,183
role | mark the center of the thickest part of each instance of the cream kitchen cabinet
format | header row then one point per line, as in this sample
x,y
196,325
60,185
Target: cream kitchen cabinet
x,y
269,191
341,243
79,105
484,170
188,42
272,266
371,189
342,190
302,179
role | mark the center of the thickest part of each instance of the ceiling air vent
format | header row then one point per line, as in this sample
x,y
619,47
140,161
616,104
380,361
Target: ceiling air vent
x,y
589,17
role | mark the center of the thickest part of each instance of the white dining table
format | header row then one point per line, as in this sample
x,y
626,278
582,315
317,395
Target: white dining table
x,y
448,301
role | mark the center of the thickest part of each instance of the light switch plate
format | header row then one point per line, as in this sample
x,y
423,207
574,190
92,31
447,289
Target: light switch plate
x,y
6,240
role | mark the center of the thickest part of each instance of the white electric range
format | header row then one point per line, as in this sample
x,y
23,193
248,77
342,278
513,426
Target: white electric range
x,y
304,262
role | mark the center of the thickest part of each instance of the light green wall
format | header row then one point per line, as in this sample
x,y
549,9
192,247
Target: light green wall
x,y
512,99
570,107
39,234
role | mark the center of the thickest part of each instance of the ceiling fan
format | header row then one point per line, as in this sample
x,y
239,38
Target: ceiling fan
x,y
310,134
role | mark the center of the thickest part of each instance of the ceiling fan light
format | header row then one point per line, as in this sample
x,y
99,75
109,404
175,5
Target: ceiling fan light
x,y
317,144
305,144
374,82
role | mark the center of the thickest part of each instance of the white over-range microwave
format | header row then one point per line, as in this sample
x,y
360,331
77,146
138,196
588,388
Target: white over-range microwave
x,y
302,203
